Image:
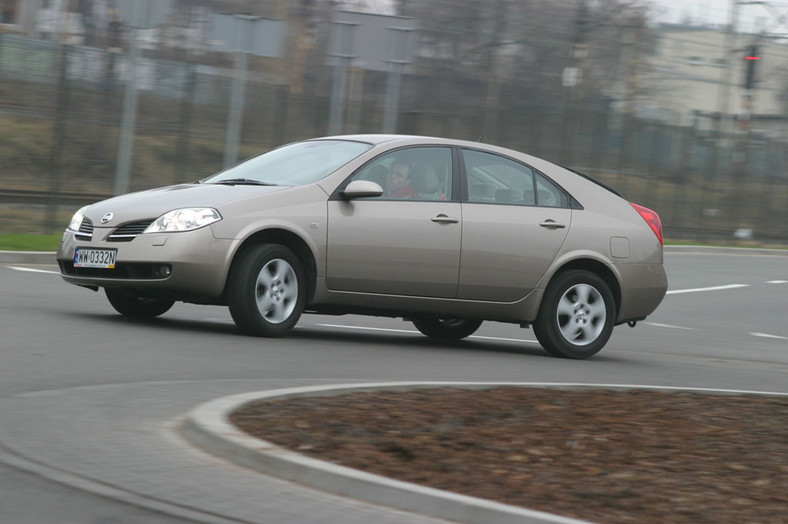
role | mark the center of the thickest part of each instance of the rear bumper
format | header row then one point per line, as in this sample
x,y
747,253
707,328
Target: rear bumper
x,y
643,288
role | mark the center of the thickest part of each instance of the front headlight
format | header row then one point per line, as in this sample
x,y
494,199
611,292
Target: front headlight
x,y
184,220
76,220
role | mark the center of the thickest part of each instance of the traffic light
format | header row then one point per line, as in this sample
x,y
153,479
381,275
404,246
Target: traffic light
x,y
751,58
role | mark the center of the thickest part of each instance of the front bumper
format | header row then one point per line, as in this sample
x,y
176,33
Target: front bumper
x,y
198,262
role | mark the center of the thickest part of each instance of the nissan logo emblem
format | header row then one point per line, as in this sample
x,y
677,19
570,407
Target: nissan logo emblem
x,y
106,218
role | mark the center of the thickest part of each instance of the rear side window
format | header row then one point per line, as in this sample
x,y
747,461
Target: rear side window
x,y
493,178
548,194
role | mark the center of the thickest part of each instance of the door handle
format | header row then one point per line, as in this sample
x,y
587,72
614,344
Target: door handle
x,y
444,219
551,224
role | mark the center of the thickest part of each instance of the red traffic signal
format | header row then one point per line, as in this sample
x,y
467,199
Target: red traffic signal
x,y
752,58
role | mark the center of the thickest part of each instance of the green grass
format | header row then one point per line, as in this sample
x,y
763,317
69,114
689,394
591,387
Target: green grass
x,y
741,244
29,242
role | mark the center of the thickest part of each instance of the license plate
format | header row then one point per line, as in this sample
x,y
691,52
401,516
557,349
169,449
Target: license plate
x,y
99,258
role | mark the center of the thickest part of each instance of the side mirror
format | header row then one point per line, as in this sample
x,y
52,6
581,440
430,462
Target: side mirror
x,y
362,189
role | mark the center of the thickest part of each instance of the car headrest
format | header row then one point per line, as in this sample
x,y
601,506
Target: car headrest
x,y
425,180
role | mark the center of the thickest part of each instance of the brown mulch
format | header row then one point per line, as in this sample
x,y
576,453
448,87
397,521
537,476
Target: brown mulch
x,y
607,456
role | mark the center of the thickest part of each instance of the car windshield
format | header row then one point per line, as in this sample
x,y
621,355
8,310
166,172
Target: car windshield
x,y
292,165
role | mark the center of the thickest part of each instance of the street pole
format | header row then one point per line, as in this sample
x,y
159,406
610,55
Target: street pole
x,y
399,50
726,75
136,14
58,140
244,26
343,58
128,121
243,35
392,99
237,96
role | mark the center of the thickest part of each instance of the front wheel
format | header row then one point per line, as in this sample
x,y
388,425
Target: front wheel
x,y
577,315
447,329
267,291
131,304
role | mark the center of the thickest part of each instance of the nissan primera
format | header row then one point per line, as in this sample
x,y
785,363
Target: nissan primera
x,y
444,233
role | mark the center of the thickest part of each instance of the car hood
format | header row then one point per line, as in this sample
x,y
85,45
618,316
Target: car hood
x,y
153,203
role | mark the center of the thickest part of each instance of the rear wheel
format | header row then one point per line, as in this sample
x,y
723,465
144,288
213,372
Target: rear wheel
x,y
131,304
576,316
267,291
447,328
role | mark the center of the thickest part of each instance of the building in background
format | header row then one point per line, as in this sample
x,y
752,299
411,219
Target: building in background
x,y
8,11
18,16
690,78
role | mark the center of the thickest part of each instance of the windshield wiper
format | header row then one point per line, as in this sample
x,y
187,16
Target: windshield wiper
x,y
243,182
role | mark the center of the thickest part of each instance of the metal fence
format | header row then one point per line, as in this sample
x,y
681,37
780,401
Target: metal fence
x,y
60,114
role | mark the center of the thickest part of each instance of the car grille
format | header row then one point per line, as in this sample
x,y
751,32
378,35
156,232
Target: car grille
x,y
85,230
128,232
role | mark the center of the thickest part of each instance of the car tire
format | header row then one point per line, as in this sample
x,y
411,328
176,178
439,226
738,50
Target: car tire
x,y
576,316
446,329
129,303
267,291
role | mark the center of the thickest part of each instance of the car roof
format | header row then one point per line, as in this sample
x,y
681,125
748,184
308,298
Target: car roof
x,y
407,140
378,139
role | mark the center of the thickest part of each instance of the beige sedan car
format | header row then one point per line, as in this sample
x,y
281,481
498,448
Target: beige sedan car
x,y
445,233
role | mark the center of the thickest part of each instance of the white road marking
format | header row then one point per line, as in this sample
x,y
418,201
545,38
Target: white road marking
x,y
364,328
700,289
505,339
766,335
777,281
671,326
31,270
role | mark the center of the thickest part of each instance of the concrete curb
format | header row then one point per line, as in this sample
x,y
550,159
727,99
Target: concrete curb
x,y
208,427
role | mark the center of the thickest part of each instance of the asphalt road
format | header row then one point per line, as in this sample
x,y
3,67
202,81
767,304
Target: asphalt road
x,y
86,396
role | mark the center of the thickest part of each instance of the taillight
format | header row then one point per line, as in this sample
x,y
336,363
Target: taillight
x,y
651,218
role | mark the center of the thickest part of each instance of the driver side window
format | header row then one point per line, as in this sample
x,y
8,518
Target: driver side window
x,y
416,173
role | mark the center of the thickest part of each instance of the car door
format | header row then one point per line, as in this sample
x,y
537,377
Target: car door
x,y
406,242
514,223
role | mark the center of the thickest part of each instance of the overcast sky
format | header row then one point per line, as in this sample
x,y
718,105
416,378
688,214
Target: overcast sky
x,y
751,17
